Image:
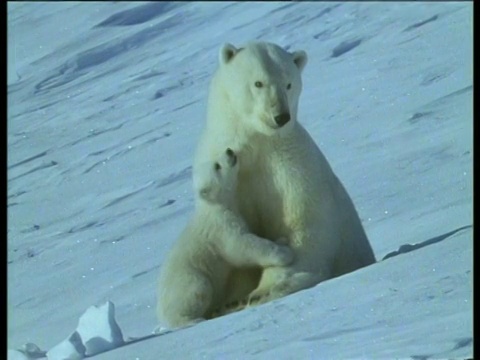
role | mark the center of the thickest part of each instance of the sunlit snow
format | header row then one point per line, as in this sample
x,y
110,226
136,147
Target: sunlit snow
x,y
106,101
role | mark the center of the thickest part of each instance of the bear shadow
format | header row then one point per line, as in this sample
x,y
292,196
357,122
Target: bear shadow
x,y
412,247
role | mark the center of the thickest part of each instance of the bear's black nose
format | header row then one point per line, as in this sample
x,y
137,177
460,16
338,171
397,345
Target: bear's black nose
x,y
282,119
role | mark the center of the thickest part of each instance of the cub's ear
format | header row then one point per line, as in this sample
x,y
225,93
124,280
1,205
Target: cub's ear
x,y
300,59
227,52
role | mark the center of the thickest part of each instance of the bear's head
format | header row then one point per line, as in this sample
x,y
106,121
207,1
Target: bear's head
x,y
263,83
216,181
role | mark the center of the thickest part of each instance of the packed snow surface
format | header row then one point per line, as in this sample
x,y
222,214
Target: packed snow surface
x,y
106,102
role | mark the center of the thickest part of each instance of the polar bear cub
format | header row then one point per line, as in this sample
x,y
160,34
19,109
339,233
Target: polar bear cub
x,y
194,278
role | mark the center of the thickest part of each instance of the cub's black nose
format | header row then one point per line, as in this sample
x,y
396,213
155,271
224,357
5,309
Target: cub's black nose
x,y
282,119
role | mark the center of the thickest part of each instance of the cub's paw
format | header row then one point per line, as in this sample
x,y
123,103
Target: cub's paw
x,y
282,255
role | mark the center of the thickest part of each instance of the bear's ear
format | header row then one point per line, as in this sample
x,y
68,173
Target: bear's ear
x,y
300,59
227,52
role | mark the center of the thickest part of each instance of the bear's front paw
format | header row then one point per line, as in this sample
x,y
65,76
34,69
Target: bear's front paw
x,y
257,297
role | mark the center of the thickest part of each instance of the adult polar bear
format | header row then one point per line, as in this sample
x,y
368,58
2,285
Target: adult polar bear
x,y
286,188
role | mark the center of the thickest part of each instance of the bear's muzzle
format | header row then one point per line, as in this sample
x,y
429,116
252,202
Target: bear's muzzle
x,y
282,119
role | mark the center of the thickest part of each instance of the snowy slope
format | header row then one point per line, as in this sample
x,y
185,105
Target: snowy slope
x,y
106,101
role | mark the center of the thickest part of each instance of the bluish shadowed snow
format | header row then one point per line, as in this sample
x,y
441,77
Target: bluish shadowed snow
x,y
106,101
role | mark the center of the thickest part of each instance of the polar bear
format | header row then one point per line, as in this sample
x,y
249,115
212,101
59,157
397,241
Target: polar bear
x,y
286,187
193,280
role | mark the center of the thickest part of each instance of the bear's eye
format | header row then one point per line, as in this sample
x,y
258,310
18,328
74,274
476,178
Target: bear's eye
x,y
258,84
217,166
289,86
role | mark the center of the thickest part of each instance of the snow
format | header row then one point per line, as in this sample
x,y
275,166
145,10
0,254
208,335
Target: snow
x,y
69,349
106,101
16,355
97,332
25,352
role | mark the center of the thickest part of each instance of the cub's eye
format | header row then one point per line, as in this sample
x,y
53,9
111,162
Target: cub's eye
x,y
217,166
289,86
258,84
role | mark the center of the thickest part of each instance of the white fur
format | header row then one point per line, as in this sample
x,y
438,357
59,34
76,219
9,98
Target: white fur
x,y
286,188
193,281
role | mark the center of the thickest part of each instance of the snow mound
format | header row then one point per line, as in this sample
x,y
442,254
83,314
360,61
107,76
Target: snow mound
x,y
28,351
71,348
97,331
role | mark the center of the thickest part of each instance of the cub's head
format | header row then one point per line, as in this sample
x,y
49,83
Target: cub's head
x,y
216,181
263,83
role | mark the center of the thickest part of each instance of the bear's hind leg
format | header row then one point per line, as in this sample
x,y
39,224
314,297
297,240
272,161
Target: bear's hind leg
x,y
282,287
192,304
